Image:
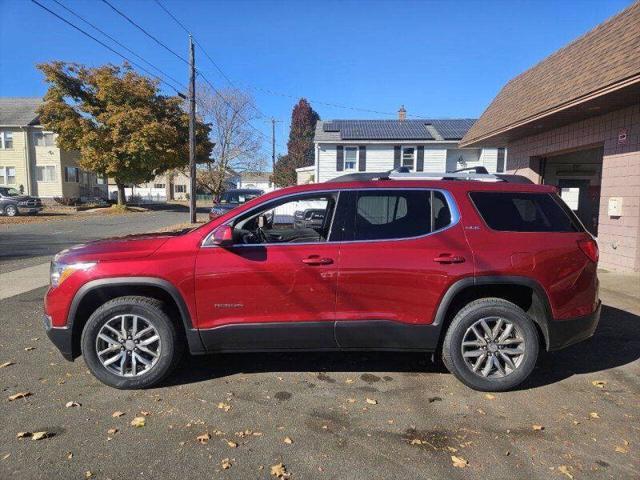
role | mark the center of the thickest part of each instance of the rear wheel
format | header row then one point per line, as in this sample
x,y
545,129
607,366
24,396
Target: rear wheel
x,y
11,210
130,343
491,345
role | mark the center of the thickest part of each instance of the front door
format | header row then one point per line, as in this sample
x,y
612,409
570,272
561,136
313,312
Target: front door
x,y
407,247
583,199
275,288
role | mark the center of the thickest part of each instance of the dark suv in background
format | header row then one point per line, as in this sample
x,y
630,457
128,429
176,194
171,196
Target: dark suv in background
x,y
13,203
233,198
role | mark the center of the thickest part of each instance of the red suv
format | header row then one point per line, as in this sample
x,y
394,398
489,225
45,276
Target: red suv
x,y
483,273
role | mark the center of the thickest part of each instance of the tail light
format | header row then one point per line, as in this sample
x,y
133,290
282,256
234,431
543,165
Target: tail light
x,y
590,249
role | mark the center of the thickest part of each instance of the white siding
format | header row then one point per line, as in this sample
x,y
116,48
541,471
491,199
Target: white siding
x,y
472,157
489,158
435,159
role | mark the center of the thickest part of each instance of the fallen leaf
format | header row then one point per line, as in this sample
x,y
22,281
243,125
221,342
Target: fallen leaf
x,y
288,440
351,400
144,413
88,474
69,455
18,395
226,464
6,364
622,449
224,406
459,462
138,422
599,383
232,444
488,396
28,349
349,380
594,415
565,470
279,470
112,431
117,414
72,404
452,449
23,434
39,435
204,438
538,428
371,401
416,441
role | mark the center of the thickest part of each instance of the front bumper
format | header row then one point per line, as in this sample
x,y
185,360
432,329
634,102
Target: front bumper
x,y
563,333
29,209
60,336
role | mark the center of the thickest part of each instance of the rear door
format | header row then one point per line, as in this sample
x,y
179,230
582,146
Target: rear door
x,y
402,249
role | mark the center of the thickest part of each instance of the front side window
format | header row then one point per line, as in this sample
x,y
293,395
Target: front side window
x,y
44,139
523,212
350,158
46,173
408,157
72,174
302,219
6,139
9,192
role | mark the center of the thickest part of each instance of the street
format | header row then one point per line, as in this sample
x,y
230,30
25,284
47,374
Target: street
x,y
321,415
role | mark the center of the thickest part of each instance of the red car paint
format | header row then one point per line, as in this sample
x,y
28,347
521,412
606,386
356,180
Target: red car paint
x,y
399,280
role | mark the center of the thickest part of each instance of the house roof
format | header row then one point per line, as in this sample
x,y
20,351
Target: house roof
x,y
427,130
19,111
256,176
601,62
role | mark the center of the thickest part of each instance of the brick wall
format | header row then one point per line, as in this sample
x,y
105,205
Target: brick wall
x,y
618,237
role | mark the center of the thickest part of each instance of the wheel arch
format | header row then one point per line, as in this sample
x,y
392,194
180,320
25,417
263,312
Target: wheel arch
x,y
96,292
525,292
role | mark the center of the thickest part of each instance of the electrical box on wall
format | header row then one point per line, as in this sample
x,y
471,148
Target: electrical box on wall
x,y
615,207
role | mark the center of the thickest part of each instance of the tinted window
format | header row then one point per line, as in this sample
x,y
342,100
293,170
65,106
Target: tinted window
x,y
398,214
523,212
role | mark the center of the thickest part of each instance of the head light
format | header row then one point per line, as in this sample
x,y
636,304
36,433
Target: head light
x,y
59,272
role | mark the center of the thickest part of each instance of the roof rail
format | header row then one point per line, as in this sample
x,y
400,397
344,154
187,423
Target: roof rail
x,y
403,173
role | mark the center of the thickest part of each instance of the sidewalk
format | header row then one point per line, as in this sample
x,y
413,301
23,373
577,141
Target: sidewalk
x,y
621,290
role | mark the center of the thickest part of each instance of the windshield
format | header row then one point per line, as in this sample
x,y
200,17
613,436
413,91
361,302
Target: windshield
x,y
239,196
9,192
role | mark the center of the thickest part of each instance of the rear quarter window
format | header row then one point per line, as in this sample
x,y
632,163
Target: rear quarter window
x,y
523,212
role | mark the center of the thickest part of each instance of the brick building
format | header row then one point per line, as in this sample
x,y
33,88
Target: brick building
x,y
573,121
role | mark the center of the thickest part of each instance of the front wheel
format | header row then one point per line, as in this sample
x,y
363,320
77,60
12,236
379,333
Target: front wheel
x,y
131,343
491,345
11,211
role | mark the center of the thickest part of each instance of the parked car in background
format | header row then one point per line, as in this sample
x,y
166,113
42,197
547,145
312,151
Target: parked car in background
x,y
482,273
308,218
13,203
233,198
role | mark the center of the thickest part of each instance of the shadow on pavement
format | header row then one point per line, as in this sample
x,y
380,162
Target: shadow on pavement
x,y
615,343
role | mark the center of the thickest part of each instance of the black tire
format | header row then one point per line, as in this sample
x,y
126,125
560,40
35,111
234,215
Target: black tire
x,y
150,309
466,317
11,211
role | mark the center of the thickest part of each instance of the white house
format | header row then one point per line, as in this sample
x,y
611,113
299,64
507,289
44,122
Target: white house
x,y
259,180
349,146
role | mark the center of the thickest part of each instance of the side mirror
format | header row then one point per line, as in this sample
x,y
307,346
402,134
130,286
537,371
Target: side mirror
x,y
223,236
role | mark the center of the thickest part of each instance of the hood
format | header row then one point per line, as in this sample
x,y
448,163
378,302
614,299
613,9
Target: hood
x,y
23,198
121,248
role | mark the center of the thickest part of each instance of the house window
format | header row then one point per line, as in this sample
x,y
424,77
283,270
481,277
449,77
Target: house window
x,y
409,157
46,173
158,185
72,174
44,139
6,140
180,188
7,175
350,158
100,179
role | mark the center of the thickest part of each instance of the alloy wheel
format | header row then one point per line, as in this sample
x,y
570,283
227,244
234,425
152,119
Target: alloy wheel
x,y
493,347
11,211
128,345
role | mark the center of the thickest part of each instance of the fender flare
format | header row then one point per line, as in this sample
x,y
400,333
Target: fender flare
x,y
541,320
193,336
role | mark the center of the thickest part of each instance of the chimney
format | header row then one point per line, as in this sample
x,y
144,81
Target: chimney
x,y
402,113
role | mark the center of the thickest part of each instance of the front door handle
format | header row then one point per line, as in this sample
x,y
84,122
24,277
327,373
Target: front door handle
x,y
317,260
448,258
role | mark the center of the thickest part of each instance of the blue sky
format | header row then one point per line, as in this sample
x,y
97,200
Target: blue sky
x,y
439,58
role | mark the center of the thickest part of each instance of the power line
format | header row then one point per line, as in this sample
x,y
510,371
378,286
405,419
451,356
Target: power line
x,y
177,82
123,15
106,46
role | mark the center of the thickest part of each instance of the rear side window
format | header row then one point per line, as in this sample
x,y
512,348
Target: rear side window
x,y
523,212
394,214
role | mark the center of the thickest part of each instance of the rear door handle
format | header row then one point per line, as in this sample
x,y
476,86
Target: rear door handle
x,y
317,260
448,258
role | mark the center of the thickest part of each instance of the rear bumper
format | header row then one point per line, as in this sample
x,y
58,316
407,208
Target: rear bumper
x,y
563,333
61,337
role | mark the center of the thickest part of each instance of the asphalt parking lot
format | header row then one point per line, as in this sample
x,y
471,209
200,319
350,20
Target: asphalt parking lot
x,y
330,416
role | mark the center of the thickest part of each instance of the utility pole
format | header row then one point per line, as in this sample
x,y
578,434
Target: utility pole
x,y
273,145
192,132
